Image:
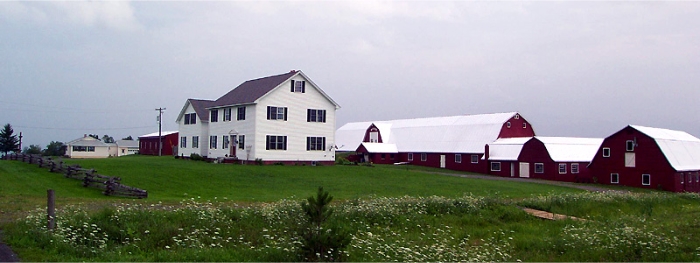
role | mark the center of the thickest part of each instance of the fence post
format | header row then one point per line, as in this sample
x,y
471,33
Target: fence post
x,y
51,211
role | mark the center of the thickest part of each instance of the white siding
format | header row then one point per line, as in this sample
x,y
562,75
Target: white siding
x,y
295,128
100,152
244,127
200,129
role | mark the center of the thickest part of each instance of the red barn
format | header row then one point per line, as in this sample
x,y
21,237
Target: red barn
x,y
548,158
648,157
148,144
455,142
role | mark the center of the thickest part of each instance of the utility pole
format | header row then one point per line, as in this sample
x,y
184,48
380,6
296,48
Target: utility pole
x,y
160,136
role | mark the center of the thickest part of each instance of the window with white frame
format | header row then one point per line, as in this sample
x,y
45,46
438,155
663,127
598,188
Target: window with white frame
x,y
214,115
508,125
225,141
606,152
475,158
629,145
314,115
276,113
496,166
212,142
574,168
190,118
195,141
614,178
410,156
227,114
423,157
539,168
298,86
458,158
562,168
315,143
241,113
646,179
275,142
524,125
517,116
183,142
241,141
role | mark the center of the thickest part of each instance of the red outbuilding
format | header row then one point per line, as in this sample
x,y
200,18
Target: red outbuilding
x,y
648,157
148,144
455,142
549,158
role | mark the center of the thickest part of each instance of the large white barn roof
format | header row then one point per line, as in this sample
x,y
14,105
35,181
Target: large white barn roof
x,y
568,149
681,149
454,134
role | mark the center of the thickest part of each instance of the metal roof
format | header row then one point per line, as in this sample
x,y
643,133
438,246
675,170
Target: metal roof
x,y
506,149
155,134
380,147
128,143
87,141
453,134
681,149
570,149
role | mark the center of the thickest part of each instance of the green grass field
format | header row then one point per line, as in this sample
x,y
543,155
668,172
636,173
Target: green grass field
x,y
393,213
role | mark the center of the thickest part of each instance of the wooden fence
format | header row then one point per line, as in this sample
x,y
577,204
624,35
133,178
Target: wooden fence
x,y
110,185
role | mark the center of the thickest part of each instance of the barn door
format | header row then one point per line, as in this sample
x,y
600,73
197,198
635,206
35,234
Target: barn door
x,y
629,160
512,169
442,161
524,169
374,136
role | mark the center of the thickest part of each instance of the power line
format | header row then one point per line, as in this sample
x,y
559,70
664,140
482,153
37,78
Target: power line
x,y
77,129
52,108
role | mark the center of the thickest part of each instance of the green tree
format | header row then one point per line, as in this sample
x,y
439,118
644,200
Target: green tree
x,y
129,138
107,139
55,149
8,141
32,149
319,242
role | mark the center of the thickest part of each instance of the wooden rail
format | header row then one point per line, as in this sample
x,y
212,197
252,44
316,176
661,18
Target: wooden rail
x,y
110,185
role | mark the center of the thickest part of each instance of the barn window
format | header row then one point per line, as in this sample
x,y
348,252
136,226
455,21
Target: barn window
x,y
383,156
458,158
539,168
214,115
496,166
423,157
629,145
410,156
646,179
183,142
574,168
614,178
562,168
475,158
517,116
195,141
697,177
508,125
524,125
606,152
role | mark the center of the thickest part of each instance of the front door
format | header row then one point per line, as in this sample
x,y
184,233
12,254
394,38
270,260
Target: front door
x,y
512,169
524,169
442,161
233,144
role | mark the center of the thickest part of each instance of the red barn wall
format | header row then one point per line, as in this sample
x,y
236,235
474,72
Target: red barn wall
x,y
649,160
516,128
149,145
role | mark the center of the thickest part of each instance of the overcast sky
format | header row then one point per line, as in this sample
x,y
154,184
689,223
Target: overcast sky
x,y
582,69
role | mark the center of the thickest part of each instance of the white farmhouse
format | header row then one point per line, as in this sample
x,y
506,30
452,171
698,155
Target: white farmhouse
x,y
283,118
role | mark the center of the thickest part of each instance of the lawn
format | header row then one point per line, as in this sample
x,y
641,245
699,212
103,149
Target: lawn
x,y
199,211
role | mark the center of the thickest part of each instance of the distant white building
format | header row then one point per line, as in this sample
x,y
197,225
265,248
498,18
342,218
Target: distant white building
x,y
281,118
89,147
